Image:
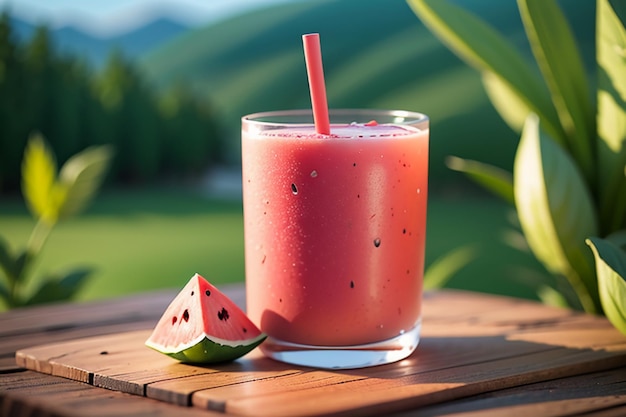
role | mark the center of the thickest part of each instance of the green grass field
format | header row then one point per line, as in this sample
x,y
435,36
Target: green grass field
x,y
139,240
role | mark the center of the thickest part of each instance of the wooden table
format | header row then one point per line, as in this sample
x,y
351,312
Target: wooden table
x,y
479,355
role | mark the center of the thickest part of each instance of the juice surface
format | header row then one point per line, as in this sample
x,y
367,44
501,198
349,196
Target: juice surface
x,y
334,232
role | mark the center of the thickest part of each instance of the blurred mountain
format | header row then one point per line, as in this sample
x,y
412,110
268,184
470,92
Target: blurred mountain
x,y
95,50
376,54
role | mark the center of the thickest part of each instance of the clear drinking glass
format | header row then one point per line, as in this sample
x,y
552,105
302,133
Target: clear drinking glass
x,y
335,229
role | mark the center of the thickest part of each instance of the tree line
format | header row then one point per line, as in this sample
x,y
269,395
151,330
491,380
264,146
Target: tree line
x,y
154,134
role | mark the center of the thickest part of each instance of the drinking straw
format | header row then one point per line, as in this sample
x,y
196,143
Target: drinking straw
x,y
317,88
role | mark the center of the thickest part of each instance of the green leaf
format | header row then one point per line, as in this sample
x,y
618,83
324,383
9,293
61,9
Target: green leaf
x,y
55,289
618,238
443,268
38,178
515,239
7,262
611,59
556,211
496,180
482,47
557,55
506,101
611,270
80,178
552,297
12,265
5,295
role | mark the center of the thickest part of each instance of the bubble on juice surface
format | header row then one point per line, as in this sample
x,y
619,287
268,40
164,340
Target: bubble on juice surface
x,y
377,242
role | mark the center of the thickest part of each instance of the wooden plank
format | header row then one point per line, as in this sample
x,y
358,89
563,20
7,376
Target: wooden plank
x,y
44,358
9,345
128,366
594,335
31,394
7,365
616,411
139,307
120,361
216,398
479,349
380,395
180,390
600,393
486,308
74,315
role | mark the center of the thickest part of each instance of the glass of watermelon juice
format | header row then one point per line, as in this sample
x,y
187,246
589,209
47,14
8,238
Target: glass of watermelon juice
x,y
335,231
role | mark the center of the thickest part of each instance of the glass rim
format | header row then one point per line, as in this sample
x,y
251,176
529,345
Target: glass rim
x,y
402,117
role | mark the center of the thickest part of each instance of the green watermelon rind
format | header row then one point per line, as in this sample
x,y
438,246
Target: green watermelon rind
x,y
208,349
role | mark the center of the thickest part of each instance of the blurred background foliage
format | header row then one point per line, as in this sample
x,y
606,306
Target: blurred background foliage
x,y
75,107
172,114
176,108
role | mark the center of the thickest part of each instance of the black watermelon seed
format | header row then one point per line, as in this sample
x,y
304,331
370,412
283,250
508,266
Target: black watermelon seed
x,y
223,315
186,315
377,242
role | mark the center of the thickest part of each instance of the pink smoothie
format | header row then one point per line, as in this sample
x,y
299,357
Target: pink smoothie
x,y
334,232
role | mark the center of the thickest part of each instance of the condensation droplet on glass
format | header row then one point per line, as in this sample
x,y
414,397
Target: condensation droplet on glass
x,y
419,191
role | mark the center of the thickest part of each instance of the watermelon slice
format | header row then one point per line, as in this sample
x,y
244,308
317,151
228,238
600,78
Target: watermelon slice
x,y
202,325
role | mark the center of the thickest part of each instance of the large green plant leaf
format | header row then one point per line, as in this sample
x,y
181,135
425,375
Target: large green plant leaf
x,y
555,210
494,179
611,59
38,178
557,55
486,50
513,109
611,270
80,178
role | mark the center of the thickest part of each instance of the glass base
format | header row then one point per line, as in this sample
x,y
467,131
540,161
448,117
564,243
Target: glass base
x,y
344,357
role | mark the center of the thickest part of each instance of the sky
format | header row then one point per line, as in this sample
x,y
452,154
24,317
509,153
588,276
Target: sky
x,y
109,17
